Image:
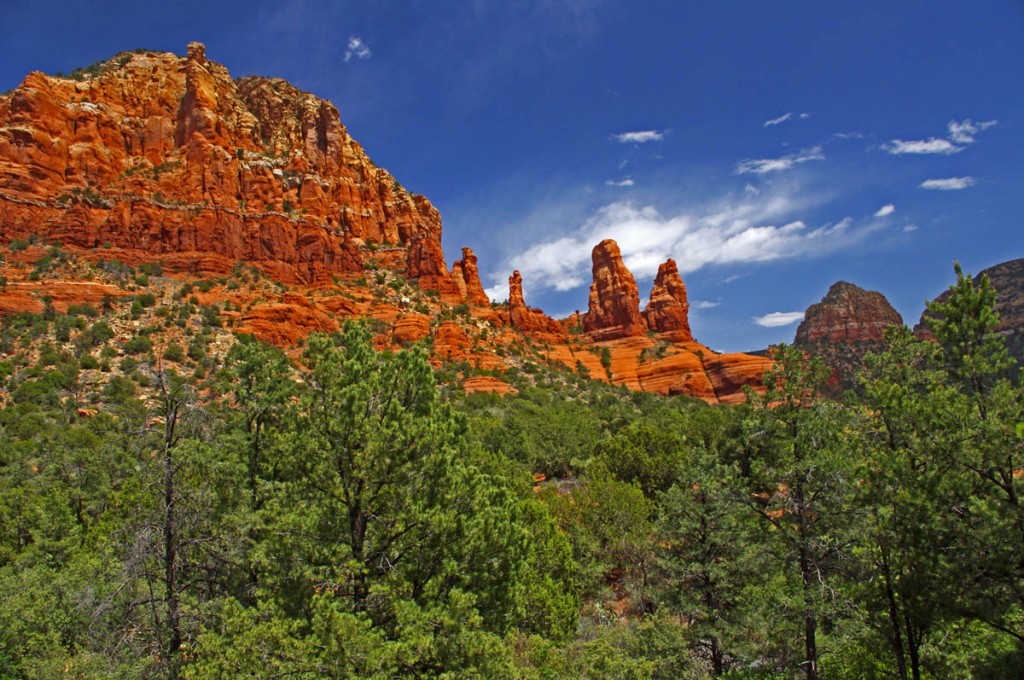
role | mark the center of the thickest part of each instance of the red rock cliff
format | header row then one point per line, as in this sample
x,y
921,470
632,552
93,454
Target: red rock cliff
x,y
169,157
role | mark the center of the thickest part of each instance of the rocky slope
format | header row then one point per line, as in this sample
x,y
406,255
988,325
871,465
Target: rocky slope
x,y
156,159
848,323
1007,279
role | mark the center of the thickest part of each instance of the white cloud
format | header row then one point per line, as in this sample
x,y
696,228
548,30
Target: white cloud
x,y
357,48
777,121
885,210
626,182
909,228
639,137
706,304
765,165
776,319
751,189
784,117
963,133
899,147
960,133
747,229
949,184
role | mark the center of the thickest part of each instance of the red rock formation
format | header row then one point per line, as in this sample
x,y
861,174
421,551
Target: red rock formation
x,y
668,310
161,156
451,342
729,373
487,384
467,278
285,323
529,320
411,328
847,313
168,158
848,323
425,264
614,306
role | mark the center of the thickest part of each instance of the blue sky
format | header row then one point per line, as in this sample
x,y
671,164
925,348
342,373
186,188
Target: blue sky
x,y
772,148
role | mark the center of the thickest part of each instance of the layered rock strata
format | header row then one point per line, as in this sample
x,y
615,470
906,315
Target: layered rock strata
x,y
168,157
848,323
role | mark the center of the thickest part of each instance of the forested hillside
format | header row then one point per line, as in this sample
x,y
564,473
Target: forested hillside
x,y
223,511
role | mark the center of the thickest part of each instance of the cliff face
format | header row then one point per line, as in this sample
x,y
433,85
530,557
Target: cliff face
x,y
170,157
1007,279
848,323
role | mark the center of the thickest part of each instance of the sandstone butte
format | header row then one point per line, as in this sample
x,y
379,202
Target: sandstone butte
x,y
848,323
168,159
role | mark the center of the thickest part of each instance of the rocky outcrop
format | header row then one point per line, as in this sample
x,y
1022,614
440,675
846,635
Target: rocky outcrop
x,y
529,320
487,384
848,323
1007,279
729,373
668,310
411,328
169,158
614,306
847,314
466,277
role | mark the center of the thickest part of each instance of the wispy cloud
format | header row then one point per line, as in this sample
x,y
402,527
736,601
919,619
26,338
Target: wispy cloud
x,y
357,48
776,319
739,230
885,210
763,166
625,182
961,134
784,117
705,304
639,137
948,184
899,147
778,121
